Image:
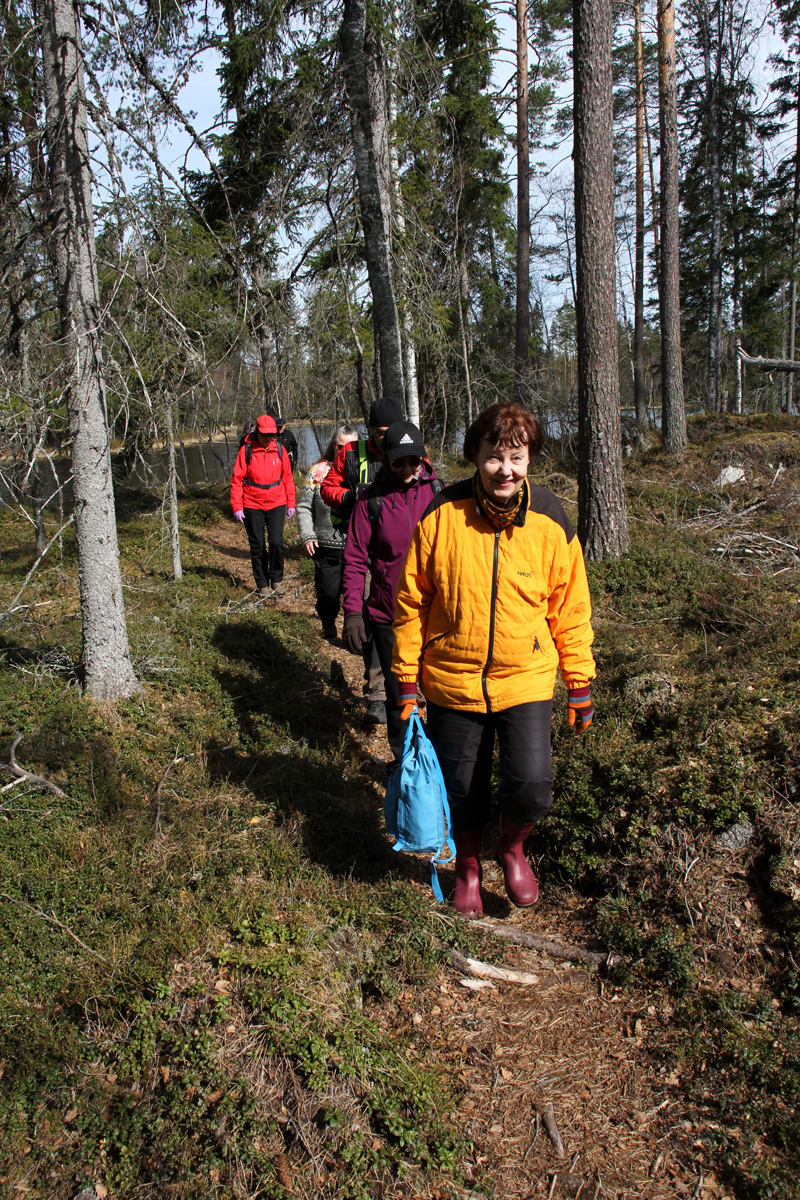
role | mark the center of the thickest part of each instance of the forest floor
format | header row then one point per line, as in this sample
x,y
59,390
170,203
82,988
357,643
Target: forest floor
x,y
222,981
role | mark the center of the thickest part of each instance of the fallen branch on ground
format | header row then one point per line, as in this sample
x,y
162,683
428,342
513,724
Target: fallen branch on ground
x,y
549,1122
545,945
52,919
20,774
481,970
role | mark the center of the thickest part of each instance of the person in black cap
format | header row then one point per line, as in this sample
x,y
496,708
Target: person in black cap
x,y
285,437
287,440
355,467
383,520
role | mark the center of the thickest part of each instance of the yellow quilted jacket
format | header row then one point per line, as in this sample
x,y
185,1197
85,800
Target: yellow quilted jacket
x,y
485,616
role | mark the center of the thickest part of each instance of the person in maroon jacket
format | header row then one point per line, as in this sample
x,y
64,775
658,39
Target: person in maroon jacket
x,y
262,495
354,468
381,525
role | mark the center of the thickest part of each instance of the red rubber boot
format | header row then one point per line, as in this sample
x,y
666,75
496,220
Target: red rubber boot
x,y
521,886
467,898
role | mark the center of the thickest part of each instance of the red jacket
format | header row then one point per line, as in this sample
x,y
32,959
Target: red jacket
x,y
340,485
272,473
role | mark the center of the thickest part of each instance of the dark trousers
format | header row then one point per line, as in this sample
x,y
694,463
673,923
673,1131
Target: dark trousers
x,y
265,528
374,684
464,742
383,637
328,561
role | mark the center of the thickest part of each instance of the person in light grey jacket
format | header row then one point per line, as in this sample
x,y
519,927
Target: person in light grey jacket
x,y
323,541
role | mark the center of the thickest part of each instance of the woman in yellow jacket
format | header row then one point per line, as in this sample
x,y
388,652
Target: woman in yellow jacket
x,y
493,600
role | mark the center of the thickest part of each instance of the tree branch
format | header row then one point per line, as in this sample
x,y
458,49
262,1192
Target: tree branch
x,y
4,616
21,774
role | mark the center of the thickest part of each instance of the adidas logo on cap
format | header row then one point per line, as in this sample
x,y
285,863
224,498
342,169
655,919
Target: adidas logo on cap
x,y
405,438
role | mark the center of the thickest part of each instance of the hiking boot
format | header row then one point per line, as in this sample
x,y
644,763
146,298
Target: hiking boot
x,y
375,712
277,589
329,633
521,886
467,897
264,592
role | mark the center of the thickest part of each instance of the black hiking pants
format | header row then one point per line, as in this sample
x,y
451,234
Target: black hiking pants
x,y
328,563
464,743
265,535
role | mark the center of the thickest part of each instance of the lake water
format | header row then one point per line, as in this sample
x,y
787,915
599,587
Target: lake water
x,y
210,464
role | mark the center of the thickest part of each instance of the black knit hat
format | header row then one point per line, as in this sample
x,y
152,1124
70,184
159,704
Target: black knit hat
x,y
384,412
401,440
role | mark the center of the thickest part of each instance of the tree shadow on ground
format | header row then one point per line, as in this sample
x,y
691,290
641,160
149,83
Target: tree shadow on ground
x,y
284,704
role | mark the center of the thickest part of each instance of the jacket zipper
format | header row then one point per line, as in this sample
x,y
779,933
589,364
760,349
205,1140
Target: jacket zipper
x,y
488,662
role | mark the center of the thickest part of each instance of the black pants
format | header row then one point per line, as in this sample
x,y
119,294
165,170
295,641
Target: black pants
x,y
465,744
328,561
262,528
383,637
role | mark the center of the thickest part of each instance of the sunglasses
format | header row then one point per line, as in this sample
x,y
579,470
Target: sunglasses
x,y
412,461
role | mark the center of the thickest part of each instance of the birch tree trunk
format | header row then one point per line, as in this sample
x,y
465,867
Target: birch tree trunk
x,y
523,316
793,267
639,394
172,488
710,73
365,80
106,658
399,213
602,513
673,413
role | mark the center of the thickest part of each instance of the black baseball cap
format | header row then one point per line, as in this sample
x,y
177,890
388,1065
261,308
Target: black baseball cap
x,y
403,440
384,412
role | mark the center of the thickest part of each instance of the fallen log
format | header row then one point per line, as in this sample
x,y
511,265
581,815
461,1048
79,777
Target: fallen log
x,y
546,945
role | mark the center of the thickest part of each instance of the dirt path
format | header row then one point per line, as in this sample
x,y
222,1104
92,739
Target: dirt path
x,y
571,1041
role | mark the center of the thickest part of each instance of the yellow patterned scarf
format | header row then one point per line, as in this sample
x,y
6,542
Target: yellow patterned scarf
x,y
501,516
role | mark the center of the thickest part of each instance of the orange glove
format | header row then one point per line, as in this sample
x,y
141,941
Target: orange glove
x,y
579,708
408,700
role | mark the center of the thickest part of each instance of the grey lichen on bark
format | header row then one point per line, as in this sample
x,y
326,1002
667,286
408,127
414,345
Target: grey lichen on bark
x,y
107,665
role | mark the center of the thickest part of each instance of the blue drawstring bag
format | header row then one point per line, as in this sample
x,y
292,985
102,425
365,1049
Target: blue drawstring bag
x,y
415,807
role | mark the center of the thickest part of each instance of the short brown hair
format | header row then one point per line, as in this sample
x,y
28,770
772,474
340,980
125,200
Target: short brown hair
x,y
504,425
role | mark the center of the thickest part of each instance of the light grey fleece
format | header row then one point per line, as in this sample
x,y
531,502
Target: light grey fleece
x,y
314,516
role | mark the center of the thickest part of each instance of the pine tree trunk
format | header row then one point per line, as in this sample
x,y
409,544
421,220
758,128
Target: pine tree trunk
x,y
639,392
106,657
673,413
523,318
363,68
602,513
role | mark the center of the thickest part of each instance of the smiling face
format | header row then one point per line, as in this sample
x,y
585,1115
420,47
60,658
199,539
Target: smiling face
x,y
502,470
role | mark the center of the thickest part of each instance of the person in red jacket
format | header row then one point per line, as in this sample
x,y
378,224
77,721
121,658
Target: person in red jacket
x,y
262,495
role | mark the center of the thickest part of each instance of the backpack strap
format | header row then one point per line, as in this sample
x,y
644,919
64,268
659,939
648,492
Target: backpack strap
x,y
248,454
363,462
